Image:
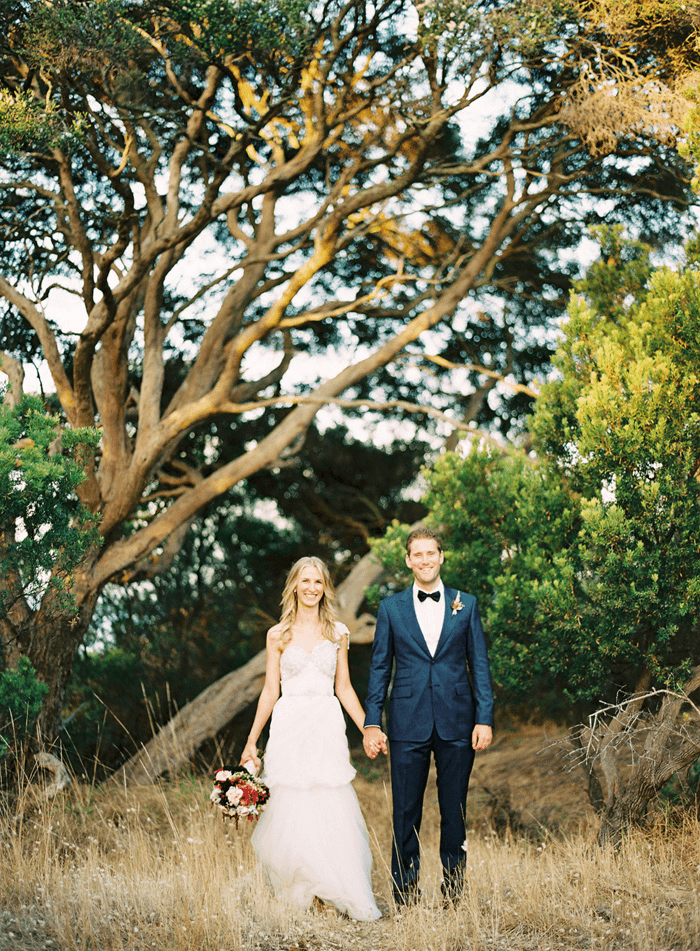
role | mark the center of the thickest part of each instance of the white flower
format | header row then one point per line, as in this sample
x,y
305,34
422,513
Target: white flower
x,y
234,795
222,775
456,605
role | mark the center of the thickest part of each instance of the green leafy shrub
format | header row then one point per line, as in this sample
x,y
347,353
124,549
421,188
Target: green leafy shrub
x,y
21,696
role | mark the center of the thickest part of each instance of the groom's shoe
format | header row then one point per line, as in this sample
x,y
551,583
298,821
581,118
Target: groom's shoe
x,y
408,895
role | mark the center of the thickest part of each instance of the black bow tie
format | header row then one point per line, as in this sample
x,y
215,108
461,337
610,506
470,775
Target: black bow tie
x,y
422,595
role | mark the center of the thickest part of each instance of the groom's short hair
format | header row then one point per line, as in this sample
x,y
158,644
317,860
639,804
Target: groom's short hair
x,y
423,533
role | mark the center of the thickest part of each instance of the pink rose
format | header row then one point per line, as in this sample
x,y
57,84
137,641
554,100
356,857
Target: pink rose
x,y
234,795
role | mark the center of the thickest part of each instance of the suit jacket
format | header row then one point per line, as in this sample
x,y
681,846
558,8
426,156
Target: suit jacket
x,y
429,692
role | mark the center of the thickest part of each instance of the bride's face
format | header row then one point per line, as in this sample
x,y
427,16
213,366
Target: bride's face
x,y
309,587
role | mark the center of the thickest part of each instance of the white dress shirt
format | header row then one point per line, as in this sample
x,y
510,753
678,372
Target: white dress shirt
x,y
431,616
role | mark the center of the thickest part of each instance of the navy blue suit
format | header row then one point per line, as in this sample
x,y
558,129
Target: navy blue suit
x,y
433,708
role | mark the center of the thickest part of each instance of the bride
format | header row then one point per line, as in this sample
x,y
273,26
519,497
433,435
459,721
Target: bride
x,y
311,838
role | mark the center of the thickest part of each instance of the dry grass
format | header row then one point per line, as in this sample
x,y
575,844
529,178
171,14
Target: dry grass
x,y
153,868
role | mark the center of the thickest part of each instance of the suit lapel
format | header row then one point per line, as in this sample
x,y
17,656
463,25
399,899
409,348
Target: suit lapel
x,y
410,621
450,595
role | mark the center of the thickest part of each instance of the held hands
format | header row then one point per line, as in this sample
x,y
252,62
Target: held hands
x,y
374,741
250,753
481,736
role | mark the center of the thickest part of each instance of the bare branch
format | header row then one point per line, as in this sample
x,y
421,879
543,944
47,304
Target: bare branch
x,y
48,342
380,406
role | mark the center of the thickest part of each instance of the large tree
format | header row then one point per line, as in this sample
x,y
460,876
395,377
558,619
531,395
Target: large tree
x,y
226,191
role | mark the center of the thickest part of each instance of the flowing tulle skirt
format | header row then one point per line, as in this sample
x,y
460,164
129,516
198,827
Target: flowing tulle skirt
x,y
311,838
314,842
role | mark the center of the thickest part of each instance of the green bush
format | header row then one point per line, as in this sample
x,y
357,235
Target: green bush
x,y
21,696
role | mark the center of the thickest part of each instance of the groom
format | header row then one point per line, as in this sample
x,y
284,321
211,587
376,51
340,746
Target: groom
x,y
430,633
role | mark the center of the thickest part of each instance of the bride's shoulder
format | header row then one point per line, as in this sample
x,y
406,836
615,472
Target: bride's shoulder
x,y
342,631
274,635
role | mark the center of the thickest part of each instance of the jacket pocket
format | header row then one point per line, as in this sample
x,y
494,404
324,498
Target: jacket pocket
x,y
462,690
401,690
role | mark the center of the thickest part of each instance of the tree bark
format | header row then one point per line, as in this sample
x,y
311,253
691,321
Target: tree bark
x,y
50,638
629,806
14,371
630,803
670,746
351,593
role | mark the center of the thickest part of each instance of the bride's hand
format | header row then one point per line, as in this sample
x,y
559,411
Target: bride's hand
x,y
374,741
250,753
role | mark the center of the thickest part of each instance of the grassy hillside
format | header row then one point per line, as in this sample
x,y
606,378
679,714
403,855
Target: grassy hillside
x,y
154,868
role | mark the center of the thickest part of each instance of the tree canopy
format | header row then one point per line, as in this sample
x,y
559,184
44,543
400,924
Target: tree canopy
x,y
258,209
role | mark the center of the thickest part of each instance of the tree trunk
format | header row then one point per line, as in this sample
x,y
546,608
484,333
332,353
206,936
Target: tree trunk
x,y
672,743
54,646
14,371
351,594
200,720
629,805
50,638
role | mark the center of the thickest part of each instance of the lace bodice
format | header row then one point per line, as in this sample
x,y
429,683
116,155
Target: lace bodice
x,y
309,674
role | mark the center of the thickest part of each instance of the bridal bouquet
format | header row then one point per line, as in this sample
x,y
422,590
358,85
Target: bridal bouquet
x,y
239,794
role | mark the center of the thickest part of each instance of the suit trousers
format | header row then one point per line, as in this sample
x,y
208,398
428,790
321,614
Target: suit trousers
x,y
410,765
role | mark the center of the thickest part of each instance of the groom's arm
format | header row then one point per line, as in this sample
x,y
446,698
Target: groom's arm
x,y
477,655
380,669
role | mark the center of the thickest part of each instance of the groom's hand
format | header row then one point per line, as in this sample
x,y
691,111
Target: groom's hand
x,y
374,741
481,736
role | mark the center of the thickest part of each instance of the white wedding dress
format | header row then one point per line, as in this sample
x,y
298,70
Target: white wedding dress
x,y
311,838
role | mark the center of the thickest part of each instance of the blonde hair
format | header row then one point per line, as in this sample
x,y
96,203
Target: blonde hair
x,y
326,606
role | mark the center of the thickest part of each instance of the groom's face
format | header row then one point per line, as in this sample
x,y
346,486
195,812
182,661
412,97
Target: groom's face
x,y
424,559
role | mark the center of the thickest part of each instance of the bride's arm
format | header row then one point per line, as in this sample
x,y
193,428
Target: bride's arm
x,y
268,697
344,690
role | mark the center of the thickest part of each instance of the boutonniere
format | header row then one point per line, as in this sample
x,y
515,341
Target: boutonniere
x,y
456,605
